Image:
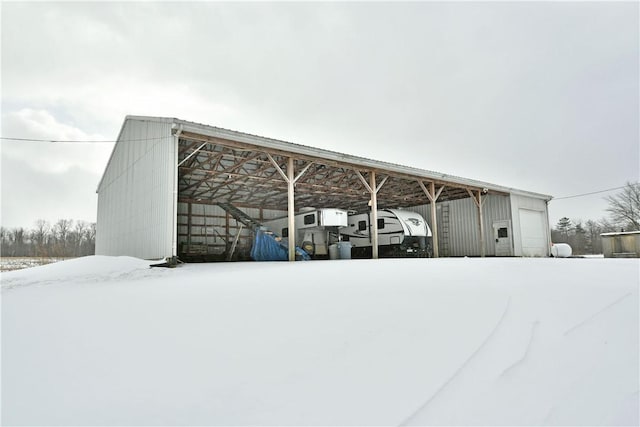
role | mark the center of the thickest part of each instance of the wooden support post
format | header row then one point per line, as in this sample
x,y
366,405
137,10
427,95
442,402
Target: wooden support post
x,y
374,214
189,225
433,197
291,210
434,221
290,178
481,220
479,201
226,231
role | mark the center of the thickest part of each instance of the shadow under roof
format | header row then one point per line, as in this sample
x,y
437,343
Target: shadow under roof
x,y
219,165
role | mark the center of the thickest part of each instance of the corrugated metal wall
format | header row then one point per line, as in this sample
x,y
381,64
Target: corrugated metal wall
x,y
211,226
458,230
135,197
136,202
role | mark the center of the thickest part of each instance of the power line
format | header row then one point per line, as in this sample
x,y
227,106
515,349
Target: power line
x,y
6,138
93,141
588,194
80,141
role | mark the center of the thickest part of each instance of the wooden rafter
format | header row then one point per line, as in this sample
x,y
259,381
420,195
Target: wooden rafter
x,y
248,175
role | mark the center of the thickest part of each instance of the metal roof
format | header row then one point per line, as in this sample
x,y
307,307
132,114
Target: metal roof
x,y
222,165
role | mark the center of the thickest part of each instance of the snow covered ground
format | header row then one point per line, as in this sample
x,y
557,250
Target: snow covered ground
x,y
18,263
110,341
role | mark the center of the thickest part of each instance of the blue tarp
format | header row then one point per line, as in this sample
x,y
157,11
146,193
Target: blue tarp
x,y
267,248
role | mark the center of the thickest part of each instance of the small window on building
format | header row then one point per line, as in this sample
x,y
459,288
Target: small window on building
x,y
285,232
362,225
502,232
380,223
309,219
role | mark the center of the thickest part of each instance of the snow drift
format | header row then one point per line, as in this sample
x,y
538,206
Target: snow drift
x,y
109,341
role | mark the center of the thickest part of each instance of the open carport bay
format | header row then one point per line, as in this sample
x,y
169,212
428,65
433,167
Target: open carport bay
x,y
171,184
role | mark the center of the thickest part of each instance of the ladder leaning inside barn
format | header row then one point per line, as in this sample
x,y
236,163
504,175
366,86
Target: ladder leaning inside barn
x,y
269,242
240,216
243,219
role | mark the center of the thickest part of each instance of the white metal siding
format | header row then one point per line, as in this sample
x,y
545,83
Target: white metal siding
x,y
135,197
531,233
463,237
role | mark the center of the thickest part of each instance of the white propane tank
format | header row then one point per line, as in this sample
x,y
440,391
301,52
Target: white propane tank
x,y
333,251
560,250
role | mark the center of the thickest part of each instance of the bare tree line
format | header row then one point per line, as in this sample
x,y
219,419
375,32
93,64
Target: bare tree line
x,y
68,238
584,236
65,238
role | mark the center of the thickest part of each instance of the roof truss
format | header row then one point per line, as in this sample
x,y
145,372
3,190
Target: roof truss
x,y
213,170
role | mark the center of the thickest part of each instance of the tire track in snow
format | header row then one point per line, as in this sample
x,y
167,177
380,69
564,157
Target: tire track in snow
x,y
605,308
408,419
550,413
534,327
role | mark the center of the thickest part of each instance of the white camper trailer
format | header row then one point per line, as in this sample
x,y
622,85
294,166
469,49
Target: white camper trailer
x,y
400,233
316,229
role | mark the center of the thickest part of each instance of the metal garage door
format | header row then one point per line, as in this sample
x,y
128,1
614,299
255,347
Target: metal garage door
x,y
534,242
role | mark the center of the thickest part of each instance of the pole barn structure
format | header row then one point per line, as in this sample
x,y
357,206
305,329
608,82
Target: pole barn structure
x,y
173,188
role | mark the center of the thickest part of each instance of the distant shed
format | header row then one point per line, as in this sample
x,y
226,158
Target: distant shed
x,y
171,186
621,244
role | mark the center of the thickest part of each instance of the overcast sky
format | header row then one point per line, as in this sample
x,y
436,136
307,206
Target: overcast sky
x,y
538,96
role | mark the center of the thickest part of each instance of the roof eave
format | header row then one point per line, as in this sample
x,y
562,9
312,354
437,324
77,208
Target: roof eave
x,y
275,144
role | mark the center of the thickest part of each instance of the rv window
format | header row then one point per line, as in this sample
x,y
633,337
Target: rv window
x,y
380,223
285,232
362,225
502,232
309,219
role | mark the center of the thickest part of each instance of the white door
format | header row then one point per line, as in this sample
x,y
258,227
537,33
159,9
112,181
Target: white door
x,y
534,238
502,237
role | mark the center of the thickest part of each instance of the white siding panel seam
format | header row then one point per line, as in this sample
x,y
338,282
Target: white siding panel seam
x,y
134,194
